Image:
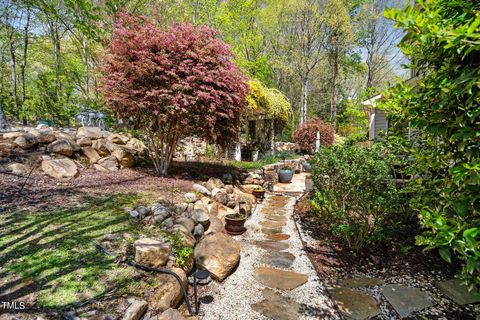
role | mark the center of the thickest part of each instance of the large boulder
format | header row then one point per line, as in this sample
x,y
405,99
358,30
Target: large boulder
x,y
151,253
91,154
26,141
118,138
171,314
110,163
248,188
89,132
101,146
136,310
136,145
200,216
201,189
248,199
213,183
220,195
84,142
270,174
198,231
215,226
61,146
169,292
190,197
124,157
64,135
227,178
46,136
12,135
200,205
60,168
160,212
255,177
186,238
218,253
180,208
188,223
18,168
222,211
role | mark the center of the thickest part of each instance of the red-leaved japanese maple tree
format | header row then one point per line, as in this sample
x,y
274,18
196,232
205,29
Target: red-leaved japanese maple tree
x,y
172,82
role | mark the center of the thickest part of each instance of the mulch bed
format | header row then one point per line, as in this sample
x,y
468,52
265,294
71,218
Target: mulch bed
x,y
398,261
43,192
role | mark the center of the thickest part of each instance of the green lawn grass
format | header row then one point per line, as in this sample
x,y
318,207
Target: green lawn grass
x,y
51,251
263,161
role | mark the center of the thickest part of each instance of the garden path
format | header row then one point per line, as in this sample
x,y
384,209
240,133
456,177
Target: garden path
x,y
275,279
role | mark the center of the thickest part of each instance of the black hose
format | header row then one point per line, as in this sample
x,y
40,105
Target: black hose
x,y
159,270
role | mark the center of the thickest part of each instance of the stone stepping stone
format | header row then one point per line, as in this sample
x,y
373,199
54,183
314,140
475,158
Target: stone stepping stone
x,y
277,307
354,304
458,292
279,259
272,224
406,300
280,279
271,245
276,218
362,282
278,236
269,231
273,212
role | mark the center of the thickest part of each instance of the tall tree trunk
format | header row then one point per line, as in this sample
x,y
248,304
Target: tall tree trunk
x,y
13,67
303,100
370,74
87,83
333,101
3,120
56,52
23,66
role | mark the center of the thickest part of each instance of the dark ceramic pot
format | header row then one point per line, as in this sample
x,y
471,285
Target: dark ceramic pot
x,y
259,194
235,224
285,176
307,167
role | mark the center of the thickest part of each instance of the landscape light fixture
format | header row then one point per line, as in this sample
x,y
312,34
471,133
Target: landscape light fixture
x,y
199,274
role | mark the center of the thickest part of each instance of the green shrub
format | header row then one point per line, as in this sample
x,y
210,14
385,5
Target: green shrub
x,y
356,138
354,196
443,113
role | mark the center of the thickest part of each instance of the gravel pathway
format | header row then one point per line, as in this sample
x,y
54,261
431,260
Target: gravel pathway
x,y
232,299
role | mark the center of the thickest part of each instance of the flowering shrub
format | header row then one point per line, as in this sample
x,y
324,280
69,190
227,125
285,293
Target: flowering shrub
x,y
306,135
172,82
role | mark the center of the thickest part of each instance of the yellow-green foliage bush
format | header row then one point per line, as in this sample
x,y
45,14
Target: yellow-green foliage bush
x,y
267,101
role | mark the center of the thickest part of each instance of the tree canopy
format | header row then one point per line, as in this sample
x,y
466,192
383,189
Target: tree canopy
x,y
172,82
319,54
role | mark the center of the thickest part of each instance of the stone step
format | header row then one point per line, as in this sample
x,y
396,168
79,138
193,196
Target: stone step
x,y
275,306
279,259
280,279
271,245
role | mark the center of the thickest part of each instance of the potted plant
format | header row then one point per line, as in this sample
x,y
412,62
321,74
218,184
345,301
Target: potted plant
x,y
259,192
307,167
285,174
235,222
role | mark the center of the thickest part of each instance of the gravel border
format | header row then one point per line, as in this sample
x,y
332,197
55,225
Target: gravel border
x,y
233,297
425,281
